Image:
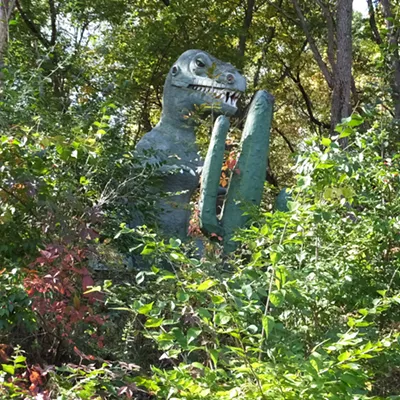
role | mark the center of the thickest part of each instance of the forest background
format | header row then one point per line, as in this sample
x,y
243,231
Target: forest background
x,y
307,307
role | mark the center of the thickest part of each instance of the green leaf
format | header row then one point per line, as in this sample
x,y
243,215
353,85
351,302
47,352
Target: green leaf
x,y
346,132
148,249
192,334
222,319
264,230
146,308
154,322
350,379
326,141
204,313
275,257
174,243
355,120
182,296
217,299
197,365
214,354
276,298
326,165
83,180
180,337
19,359
268,324
8,368
314,364
344,356
206,285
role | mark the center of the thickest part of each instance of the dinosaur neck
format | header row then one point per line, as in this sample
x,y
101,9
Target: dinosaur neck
x,y
178,127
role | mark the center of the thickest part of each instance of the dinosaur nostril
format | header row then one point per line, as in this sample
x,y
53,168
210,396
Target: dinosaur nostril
x,y
230,78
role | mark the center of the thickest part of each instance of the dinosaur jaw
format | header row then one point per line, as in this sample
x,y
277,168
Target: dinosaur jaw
x,y
226,96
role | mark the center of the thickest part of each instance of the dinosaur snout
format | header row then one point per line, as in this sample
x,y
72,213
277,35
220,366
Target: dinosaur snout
x,y
234,80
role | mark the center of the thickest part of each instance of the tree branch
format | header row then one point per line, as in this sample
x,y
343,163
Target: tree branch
x,y
33,28
331,35
16,197
296,79
291,147
11,6
53,17
282,11
317,55
245,28
394,56
270,176
372,22
268,40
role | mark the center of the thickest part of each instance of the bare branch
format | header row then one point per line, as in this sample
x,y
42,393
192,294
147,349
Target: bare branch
x,y
282,11
245,28
270,36
33,28
317,55
296,79
372,22
270,176
53,17
394,56
331,34
11,6
291,147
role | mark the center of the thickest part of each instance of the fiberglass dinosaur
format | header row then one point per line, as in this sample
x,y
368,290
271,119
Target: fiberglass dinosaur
x,y
197,78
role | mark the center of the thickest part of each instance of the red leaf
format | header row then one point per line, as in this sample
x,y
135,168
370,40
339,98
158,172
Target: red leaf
x,y
86,282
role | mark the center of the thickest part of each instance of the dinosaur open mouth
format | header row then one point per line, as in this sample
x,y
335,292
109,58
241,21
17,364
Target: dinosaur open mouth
x,y
228,96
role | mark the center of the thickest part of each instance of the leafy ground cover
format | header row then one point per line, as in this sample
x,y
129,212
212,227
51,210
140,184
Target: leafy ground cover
x,y
308,307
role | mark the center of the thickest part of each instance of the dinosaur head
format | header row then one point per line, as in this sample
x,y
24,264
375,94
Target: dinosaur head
x,y
198,78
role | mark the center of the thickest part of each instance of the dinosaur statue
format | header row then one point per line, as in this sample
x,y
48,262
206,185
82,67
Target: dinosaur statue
x,y
196,78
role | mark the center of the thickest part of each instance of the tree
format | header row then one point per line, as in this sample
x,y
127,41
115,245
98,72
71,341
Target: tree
x,y
391,48
337,73
6,9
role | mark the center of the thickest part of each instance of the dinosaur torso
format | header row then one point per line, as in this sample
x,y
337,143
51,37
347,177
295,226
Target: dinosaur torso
x,y
197,78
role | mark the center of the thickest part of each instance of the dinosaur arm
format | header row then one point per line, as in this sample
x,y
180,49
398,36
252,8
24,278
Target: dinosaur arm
x,y
210,178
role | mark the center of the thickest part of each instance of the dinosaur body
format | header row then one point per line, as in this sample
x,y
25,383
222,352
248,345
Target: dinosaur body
x,y
197,78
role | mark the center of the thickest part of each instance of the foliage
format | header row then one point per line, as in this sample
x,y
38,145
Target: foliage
x,y
91,308
56,286
14,301
295,314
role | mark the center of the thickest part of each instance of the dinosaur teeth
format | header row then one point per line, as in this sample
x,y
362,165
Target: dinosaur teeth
x,y
219,93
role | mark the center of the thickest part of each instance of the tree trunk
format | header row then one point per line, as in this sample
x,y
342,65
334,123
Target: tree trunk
x,y
337,73
393,56
245,30
6,8
342,78
3,31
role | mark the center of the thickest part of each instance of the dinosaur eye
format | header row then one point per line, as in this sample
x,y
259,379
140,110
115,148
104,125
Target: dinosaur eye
x,y
175,70
200,63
